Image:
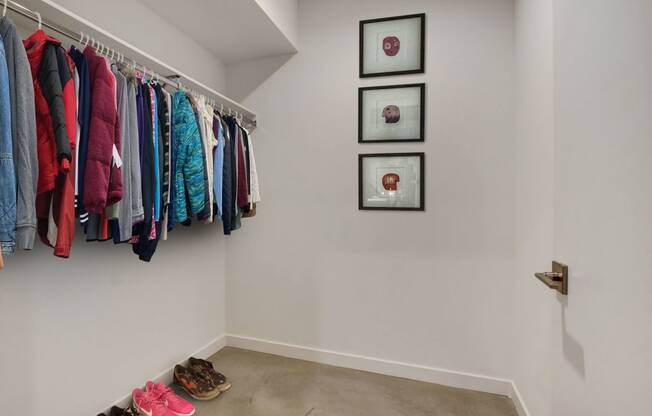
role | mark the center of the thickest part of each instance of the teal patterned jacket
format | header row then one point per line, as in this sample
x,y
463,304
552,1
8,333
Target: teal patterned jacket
x,y
189,171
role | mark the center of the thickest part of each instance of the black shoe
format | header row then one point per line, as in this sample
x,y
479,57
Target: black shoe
x,y
116,411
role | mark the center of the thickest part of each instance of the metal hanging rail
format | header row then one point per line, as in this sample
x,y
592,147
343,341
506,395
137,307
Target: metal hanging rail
x,y
219,101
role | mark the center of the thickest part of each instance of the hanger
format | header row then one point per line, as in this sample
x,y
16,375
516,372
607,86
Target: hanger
x,y
4,13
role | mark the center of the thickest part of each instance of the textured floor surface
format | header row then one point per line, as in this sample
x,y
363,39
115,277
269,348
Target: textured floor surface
x,y
267,385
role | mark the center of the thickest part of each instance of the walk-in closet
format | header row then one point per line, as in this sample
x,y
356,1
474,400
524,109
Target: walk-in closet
x,y
325,208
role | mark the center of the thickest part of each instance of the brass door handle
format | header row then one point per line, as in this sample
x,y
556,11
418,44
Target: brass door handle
x,y
557,279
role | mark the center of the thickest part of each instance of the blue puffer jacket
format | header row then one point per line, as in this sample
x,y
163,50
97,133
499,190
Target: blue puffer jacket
x,y
189,169
7,172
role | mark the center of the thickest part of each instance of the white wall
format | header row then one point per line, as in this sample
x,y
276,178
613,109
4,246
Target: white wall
x,y
426,288
78,334
534,203
285,14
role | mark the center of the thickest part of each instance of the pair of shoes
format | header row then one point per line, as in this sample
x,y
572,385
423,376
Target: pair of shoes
x,y
160,400
200,380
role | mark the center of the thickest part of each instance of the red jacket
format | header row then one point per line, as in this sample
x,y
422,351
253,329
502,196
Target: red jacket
x,y
56,129
102,179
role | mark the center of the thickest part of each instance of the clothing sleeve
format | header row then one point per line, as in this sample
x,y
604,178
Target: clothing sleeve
x,y
255,190
25,155
136,187
64,195
115,176
243,192
179,196
7,172
194,170
50,82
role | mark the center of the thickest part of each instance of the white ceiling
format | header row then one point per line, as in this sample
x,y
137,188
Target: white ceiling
x,y
234,30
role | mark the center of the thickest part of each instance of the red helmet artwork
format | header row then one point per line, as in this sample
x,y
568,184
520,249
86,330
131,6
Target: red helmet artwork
x,y
391,45
390,181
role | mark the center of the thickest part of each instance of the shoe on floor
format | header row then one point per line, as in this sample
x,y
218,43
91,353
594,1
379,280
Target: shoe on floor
x,y
194,384
176,404
118,411
148,404
207,370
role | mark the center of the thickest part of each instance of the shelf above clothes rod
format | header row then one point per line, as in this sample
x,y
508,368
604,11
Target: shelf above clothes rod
x,y
175,77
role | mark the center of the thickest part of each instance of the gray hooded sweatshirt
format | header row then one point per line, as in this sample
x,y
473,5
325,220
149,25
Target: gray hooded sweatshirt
x,y
23,130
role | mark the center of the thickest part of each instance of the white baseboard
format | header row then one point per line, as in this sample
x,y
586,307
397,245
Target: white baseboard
x,y
166,376
516,397
376,365
477,382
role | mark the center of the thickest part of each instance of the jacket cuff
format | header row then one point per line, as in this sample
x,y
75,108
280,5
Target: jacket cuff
x,y
7,247
63,252
114,196
25,237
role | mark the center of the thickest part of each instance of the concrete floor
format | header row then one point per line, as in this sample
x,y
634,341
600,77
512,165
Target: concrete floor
x,y
267,385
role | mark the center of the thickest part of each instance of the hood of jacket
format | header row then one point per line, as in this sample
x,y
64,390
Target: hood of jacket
x,y
34,46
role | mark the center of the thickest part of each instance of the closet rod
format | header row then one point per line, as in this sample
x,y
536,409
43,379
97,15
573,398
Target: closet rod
x,y
225,102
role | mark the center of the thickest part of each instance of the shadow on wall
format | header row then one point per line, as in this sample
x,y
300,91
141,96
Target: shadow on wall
x,y
242,78
573,350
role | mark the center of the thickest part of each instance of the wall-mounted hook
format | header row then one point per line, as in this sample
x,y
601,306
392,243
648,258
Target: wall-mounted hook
x,y
557,279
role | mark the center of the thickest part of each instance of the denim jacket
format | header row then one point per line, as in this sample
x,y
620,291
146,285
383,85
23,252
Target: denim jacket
x,y
7,172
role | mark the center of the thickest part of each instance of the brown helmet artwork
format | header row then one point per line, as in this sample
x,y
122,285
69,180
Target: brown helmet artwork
x,y
391,114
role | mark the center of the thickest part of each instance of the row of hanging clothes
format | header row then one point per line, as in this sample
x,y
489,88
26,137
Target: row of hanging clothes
x,y
88,140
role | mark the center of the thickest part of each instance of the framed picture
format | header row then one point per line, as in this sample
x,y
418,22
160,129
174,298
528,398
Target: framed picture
x,y
392,113
391,181
392,45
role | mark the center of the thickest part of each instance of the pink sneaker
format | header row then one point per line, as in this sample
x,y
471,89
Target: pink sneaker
x,y
148,404
176,404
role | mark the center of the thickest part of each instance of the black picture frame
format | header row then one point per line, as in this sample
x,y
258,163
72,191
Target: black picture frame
x,y
422,121
422,59
422,183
